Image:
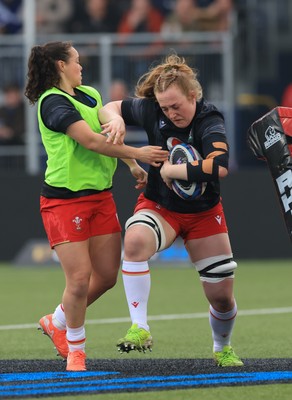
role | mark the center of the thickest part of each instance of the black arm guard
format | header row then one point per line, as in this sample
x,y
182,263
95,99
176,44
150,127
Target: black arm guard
x,y
270,139
196,173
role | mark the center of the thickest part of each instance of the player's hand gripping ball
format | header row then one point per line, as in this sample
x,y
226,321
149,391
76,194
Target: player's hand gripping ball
x,y
181,154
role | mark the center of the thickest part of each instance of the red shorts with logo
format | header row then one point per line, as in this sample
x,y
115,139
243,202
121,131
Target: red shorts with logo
x,y
189,226
75,220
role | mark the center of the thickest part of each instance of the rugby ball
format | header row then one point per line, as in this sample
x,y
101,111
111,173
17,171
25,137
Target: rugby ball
x,y
181,154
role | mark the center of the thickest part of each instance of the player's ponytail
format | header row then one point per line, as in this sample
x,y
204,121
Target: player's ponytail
x,y
42,70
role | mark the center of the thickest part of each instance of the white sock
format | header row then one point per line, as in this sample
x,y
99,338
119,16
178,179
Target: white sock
x,y
76,338
136,278
59,319
222,326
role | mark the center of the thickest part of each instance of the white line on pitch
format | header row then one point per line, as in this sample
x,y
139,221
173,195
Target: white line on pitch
x,y
165,317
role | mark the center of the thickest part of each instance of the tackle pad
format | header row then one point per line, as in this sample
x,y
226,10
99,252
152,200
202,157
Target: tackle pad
x,y
270,139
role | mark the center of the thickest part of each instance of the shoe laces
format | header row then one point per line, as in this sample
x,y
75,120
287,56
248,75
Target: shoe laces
x,y
134,334
227,354
137,335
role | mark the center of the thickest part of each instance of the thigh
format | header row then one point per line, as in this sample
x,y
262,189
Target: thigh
x,y
141,241
203,224
167,226
168,219
105,254
74,258
210,246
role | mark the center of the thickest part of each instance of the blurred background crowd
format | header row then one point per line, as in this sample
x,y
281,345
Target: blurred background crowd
x,y
241,48
123,16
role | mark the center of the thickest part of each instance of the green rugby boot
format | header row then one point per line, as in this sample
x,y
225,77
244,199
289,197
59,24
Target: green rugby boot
x,y
227,358
135,339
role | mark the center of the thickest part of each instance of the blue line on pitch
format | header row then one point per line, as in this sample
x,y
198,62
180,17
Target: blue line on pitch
x,y
86,386
40,376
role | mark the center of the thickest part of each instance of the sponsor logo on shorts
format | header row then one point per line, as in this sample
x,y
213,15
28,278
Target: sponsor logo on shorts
x,y
218,219
272,137
77,221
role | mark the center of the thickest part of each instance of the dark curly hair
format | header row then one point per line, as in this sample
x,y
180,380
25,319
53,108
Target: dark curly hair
x,y
42,70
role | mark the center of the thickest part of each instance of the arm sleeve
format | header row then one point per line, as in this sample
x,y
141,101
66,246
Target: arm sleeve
x,y
132,112
58,113
214,141
215,151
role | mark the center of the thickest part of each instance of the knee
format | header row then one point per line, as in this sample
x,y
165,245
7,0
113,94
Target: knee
x,y
133,245
145,237
78,285
136,247
109,282
99,283
216,269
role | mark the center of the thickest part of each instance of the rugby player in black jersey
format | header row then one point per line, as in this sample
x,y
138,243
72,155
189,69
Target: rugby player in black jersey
x,y
169,105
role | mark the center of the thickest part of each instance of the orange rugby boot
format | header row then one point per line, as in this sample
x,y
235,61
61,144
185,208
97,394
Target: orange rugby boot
x,y
57,336
76,361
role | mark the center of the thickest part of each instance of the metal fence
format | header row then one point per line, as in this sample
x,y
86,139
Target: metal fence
x,y
108,57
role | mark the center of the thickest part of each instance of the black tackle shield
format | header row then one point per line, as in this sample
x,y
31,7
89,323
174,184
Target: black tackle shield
x,y
270,139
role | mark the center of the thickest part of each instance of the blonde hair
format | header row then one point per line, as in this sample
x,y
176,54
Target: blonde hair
x,y
173,70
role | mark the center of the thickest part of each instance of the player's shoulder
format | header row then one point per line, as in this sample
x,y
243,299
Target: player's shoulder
x,y
54,102
140,102
142,109
86,88
205,109
208,119
90,91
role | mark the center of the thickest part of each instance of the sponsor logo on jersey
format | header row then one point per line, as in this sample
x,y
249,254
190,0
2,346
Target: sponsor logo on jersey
x,y
162,123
